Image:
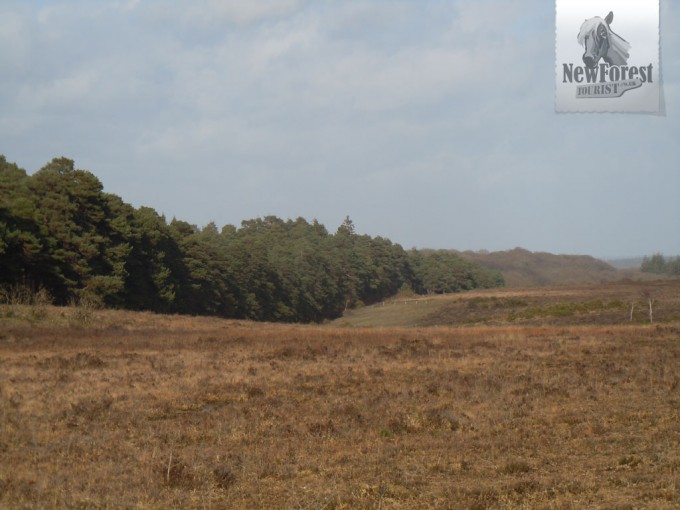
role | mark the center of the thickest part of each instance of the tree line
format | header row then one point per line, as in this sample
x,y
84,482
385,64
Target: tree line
x,y
658,264
61,233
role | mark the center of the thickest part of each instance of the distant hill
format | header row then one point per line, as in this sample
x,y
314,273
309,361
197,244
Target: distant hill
x,y
626,263
523,268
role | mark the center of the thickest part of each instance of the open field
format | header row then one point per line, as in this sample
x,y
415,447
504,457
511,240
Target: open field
x,y
602,304
105,409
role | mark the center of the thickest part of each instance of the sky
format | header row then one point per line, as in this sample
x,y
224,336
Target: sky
x,y
429,122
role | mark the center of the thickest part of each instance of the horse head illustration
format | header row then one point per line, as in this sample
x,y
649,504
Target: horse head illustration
x,y
601,43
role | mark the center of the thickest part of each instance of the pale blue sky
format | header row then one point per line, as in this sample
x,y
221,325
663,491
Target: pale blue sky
x,y
428,122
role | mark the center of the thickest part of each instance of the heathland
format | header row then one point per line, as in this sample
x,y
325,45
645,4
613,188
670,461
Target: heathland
x,y
432,388
555,398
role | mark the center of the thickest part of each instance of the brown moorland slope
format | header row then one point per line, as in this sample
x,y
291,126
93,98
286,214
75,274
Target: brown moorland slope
x,y
610,303
104,409
523,268
614,303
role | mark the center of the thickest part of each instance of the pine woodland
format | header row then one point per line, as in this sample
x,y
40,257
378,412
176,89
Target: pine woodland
x,y
63,236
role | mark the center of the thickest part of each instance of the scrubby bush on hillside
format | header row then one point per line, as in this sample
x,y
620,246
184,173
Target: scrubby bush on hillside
x,y
658,264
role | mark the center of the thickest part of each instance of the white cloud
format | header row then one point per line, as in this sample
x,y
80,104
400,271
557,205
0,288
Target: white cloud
x,y
15,43
487,21
405,115
212,14
277,43
374,81
128,5
64,93
252,10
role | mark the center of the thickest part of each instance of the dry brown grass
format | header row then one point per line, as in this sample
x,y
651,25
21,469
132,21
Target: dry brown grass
x,y
144,411
567,305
